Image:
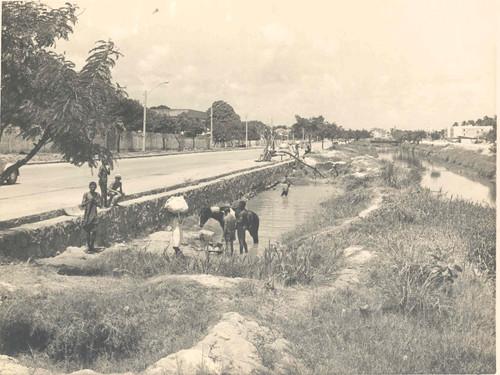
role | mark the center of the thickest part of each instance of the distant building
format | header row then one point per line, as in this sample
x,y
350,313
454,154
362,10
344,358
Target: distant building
x,y
380,133
282,133
175,112
468,131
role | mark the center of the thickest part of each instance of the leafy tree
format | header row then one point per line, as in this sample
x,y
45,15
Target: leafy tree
x,y
130,112
227,125
256,130
189,126
307,126
44,95
437,134
328,130
492,135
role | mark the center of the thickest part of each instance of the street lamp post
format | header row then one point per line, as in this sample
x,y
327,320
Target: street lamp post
x,y
246,131
144,117
211,126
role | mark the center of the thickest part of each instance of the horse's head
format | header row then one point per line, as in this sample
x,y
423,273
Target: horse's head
x,y
205,214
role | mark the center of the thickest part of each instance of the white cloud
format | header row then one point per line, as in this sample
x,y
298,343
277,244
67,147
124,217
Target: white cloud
x,y
393,63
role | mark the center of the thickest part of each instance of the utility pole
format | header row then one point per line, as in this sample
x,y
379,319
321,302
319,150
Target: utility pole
x,y
144,118
246,131
144,121
212,126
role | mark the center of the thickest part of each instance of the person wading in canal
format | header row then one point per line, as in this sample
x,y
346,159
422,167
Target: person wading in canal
x,y
285,187
91,200
103,174
242,225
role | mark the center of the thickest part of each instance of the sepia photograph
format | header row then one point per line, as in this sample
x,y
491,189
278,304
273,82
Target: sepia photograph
x,y
231,187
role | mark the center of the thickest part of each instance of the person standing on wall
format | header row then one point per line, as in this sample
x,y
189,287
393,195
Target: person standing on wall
x,y
103,174
91,200
242,225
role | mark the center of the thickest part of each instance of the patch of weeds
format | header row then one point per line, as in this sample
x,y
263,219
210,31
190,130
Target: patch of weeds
x,y
108,330
360,339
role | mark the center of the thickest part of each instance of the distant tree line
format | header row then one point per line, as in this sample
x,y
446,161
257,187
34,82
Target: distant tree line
x,y
485,121
319,128
227,125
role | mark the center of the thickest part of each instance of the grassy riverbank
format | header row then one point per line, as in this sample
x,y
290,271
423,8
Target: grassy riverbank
x,y
477,163
420,312
420,300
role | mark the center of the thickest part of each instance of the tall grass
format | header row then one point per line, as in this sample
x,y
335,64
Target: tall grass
x,y
123,329
426,304
397,176
482,165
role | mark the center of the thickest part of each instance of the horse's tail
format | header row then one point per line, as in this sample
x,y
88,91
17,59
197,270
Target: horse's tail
x,y
255,229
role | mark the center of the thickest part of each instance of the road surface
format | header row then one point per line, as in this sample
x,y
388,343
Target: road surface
x,y
47,187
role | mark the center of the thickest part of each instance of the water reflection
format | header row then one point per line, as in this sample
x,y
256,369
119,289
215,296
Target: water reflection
x,y
279,215
453,185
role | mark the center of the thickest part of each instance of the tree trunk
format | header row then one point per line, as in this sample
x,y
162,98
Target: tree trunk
x,y
300,161
179,143
18,164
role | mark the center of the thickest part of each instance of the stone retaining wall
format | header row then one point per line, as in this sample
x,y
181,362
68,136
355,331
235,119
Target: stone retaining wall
x,y
134,217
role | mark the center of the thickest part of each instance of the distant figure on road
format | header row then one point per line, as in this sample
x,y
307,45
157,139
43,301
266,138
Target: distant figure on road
x,y
308,149
116,191
242,225
229,229
103,174
91,200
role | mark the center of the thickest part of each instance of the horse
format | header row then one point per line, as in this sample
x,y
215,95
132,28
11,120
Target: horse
x,y
253,221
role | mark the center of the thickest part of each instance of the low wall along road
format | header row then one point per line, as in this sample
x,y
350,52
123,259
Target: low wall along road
x,y
134,217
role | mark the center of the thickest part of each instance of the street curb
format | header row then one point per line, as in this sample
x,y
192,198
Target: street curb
x,y
153,155
47,215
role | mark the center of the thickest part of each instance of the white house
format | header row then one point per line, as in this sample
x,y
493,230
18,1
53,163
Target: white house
x,y
380,133
468,131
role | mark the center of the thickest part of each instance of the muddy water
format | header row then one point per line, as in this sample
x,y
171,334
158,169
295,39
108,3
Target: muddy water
x,y
279,215
453,185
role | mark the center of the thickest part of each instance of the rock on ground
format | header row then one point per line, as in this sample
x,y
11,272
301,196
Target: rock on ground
x,y
233,346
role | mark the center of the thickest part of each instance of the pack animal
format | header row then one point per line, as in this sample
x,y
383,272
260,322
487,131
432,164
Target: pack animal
x,y
253,220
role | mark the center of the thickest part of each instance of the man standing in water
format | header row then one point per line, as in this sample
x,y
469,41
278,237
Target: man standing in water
x,y
91,200
242,225
285,186
229,229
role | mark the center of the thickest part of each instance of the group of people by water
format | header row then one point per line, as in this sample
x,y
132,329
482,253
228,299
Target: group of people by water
x,y
110,196
225,224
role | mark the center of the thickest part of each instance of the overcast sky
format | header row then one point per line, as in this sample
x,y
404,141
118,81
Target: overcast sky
x,y
406,63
